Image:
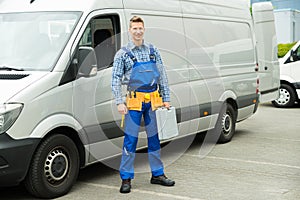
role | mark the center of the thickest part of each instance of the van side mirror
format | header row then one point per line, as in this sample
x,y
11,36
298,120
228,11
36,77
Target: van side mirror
x,y
86,62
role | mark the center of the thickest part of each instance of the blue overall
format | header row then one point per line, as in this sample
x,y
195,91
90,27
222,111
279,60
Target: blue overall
x,y
144,78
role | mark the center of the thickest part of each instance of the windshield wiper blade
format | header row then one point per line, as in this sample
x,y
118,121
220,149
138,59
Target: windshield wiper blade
x,y
5,68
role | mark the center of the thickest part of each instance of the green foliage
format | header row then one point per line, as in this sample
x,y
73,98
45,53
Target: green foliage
x,y
284,48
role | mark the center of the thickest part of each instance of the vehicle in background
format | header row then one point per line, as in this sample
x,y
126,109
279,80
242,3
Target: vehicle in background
x,y
289,91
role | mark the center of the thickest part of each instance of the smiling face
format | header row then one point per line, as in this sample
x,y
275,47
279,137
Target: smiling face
x,y
137,32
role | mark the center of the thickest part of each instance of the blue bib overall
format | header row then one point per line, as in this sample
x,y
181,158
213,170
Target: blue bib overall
x,y
144,78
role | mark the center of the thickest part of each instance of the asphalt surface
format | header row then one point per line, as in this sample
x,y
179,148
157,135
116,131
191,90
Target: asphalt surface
x,y
261,162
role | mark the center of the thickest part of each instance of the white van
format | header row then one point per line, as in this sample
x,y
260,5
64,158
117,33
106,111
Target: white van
x,y
289,91
57,113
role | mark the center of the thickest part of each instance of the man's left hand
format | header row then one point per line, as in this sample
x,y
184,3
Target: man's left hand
x,y
167,105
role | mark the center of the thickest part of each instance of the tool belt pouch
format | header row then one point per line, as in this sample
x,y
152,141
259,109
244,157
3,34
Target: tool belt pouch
x,y
133,103
156,101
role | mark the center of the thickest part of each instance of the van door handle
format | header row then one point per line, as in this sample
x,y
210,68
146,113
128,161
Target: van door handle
x,y
266,68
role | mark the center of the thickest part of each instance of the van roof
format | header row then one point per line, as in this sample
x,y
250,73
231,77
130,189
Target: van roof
x,y
89,5
7,6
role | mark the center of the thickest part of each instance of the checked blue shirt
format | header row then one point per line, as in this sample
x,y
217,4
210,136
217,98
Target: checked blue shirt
x,y
122,68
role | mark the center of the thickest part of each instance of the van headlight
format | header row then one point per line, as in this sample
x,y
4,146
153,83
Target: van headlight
x,y
8,115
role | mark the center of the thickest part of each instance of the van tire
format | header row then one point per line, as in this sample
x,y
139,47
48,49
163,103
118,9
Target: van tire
x,y
54,167
287,97
226,123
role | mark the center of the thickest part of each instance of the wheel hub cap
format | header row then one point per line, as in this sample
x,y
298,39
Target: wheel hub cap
x,y
284,97
56,166
226,123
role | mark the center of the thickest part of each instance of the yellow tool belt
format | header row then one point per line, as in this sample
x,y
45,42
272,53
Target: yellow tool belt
x,y
134,100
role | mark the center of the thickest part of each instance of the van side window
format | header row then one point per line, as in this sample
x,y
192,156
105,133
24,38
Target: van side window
x,y
104,38
294,57
103,35
86,39
297,54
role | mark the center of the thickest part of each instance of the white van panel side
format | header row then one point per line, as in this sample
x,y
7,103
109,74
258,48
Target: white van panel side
x,y
171,6
221,54
218,8
287,78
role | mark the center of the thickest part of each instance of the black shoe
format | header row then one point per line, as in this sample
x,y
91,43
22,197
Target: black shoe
x,y
126,186
162,180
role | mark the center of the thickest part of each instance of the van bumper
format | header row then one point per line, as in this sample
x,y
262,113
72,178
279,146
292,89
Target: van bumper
x,y
15,157
256,104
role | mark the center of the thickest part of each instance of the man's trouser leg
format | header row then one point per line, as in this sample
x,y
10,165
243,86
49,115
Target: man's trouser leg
x,y
132,127
156,164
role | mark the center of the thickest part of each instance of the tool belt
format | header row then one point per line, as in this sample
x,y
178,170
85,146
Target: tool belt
x,y
135,99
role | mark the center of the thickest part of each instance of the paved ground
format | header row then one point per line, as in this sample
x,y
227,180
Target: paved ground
x,y
262,162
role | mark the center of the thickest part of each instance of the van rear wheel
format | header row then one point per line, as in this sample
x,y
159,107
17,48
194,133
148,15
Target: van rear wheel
x,y
54,168
226,123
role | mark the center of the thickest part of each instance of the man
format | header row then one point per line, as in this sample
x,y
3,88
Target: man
x,y
139,66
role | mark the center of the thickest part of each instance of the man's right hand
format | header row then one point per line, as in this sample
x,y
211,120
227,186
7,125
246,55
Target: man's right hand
x,y
122,109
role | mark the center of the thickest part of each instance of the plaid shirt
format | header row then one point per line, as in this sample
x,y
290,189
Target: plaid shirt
x,y
122,68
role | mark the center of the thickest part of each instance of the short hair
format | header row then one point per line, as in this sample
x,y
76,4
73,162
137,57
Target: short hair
x,y
136,19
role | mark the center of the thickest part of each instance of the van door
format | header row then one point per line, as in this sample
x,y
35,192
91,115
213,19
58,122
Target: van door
x,y
94,106
266,44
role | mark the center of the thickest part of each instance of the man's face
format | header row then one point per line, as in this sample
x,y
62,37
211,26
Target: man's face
x,y
137,31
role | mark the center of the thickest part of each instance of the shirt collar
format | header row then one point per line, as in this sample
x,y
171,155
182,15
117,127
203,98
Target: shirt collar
x,y
131,45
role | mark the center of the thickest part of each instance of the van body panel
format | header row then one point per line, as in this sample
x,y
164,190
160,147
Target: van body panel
x,y
44,98
54,121
218,8
245,112
12,83
220,65
268,65
171,6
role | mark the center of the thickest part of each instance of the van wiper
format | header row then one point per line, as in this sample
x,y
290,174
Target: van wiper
x,y
5,68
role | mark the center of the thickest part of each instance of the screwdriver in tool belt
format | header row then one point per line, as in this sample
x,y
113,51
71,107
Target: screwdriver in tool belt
x,y
122,121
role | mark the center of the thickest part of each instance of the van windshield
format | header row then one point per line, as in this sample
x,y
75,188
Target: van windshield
x,y
34,41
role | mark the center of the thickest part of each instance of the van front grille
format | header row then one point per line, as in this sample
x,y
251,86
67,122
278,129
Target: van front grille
x,y
12,76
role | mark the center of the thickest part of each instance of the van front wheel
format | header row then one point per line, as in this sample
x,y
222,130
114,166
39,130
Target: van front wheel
x,y
54,168
287,97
